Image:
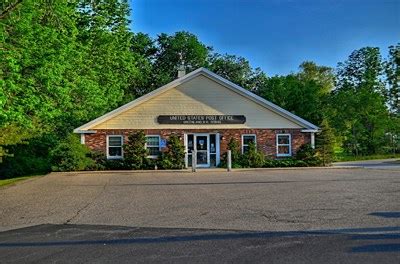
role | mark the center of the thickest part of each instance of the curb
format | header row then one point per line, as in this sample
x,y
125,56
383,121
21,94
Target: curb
x,y
205,170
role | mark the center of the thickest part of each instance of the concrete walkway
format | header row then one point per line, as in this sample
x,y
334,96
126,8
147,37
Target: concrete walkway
x,y
386,164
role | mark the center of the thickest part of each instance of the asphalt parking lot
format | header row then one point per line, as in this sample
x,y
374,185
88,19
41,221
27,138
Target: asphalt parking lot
x,y
276,216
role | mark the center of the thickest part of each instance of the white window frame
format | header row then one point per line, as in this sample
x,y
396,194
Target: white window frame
x,y
122,149
159,145
245,135
289,145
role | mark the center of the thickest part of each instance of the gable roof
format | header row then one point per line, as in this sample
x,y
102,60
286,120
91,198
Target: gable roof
x,y
201,71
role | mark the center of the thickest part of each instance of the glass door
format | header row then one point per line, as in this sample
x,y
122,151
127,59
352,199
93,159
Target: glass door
x,y
202,148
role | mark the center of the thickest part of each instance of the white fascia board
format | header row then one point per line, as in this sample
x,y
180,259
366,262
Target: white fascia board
x,y
85,131
271,106
138,101
310,130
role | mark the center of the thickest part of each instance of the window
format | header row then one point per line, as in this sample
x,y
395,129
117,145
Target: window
x,y
283,145
153,145
246,139
114,147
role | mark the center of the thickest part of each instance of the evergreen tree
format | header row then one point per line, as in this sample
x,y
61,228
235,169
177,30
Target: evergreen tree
x,y
253,158
325,143
236,154
174,156
135,153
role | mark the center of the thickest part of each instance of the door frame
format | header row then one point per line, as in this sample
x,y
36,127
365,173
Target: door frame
x,y
217,142
195,135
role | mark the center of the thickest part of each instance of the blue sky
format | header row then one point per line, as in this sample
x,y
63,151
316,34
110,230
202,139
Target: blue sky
x,y
276,35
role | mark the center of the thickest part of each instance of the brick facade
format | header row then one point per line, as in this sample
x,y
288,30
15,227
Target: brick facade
x,y
266,138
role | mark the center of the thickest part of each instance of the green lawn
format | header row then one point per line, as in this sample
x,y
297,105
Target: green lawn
x,y
13,180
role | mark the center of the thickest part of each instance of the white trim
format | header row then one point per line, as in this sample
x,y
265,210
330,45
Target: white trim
x,y
82,138
218,149
312,140
159,145
195,135
310,130
122,149
85,131
290,145
255,140
201,71
185,144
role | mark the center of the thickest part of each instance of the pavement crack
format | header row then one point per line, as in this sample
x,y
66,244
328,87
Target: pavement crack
x,y
69,220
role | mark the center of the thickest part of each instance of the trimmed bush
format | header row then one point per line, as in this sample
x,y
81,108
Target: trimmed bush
x,y
70,155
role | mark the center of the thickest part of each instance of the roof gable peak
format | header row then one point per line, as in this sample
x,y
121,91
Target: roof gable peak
x,y
211,75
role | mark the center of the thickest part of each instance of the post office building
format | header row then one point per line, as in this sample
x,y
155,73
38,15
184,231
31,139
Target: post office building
x,y
205,111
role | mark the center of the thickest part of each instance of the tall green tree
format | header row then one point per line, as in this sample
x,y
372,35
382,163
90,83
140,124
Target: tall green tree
x,y
109,65
392,70
301,97
322,75
236,69
170,49
38,42
359,111
144,50
62,63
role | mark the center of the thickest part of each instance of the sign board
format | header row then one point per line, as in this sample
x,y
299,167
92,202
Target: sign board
x,y
163,143
201,119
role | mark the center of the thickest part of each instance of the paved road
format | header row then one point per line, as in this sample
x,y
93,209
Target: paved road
x,y
279,216
111,244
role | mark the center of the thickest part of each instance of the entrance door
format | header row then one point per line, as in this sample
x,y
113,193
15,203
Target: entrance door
x,y
202,148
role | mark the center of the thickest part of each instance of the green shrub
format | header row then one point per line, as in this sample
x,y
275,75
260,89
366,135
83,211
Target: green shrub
x,y
252,158
102,163
174,156
23,165
236,155
99,160
115,164
29,158
284,163
135,153
70,155
309,155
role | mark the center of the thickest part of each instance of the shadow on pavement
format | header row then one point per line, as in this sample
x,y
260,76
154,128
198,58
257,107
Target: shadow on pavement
x,y
161,235
386,214
96,243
